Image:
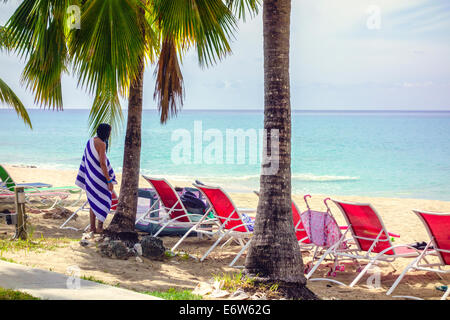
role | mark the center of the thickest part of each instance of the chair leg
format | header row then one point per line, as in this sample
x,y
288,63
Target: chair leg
x,y
162,228
446,294
63,226
240,253
183,237
226,242
212,247
314,268
363,272
410,265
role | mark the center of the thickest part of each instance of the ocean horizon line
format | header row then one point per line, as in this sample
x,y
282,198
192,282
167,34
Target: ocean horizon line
x,y
259,110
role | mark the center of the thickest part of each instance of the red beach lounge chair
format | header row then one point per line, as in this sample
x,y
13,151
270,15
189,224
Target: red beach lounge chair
x,y
369,239
229,219
438,228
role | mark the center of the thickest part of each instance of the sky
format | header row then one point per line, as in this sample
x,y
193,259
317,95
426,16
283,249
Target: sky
x,y
345,54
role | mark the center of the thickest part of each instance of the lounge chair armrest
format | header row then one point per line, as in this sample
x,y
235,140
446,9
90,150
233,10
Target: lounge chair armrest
x,y
394,235
246,210
28,188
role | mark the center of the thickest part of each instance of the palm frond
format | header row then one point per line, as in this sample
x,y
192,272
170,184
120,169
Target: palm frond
x,y
105,54
169,90
9,97
206,24
37,32
152,35
241,8
4,42
105,109
106,50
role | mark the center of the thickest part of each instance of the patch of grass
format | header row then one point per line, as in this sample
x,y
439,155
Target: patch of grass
x,y
8,294
8,260
37,245
184,256
67,240
233,281
174,294
181,255
274,287
91,278
169,254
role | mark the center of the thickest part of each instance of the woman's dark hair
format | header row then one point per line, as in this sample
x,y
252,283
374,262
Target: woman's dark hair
x,y
103,132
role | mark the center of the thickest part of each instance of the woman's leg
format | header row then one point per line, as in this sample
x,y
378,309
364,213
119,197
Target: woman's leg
x,y
92,220
100,227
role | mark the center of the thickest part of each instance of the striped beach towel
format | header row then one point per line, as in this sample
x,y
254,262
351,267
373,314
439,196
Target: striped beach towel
x,y
91,179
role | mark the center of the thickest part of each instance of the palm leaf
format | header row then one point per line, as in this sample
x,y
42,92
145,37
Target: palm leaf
x,y
152,35
207,24
37,32
9,97
105,109
169,91
4,42
240,8
106,50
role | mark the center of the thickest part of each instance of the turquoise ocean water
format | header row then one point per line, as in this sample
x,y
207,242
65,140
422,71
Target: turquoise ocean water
x,y
380,154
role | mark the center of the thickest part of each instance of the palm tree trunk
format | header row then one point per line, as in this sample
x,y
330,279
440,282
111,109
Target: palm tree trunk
x,y
274,254
125,216
122,225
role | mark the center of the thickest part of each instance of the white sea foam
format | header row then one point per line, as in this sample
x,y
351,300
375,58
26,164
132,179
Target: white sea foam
x,y
307,177
324,178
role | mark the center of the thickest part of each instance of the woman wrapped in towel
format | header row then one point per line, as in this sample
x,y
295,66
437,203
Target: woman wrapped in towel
x,y
97,177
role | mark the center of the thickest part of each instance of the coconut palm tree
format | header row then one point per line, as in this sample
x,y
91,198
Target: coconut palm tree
x,y
116,41
274,254
7,95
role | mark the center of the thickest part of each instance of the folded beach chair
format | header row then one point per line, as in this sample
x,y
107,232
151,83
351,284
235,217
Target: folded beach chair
x,y
368,240
228,218
44,192
171,211
8,182
438,228
52,196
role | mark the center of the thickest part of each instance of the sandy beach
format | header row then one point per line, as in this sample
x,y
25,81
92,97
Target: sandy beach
x,y
187,273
